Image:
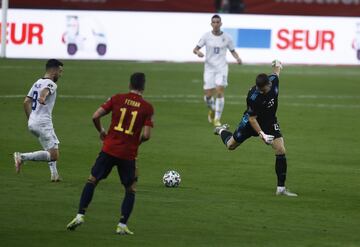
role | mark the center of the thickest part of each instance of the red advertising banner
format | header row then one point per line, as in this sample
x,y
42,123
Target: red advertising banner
x,y
133,5
303,7
273,7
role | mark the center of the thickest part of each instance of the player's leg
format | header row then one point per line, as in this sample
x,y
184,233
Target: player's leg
x,y
48,141
219,105
52,143
54,156
281,167
221,83
128,175
226,136
99,171
209,91
241,134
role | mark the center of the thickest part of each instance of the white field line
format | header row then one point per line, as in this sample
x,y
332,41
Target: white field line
x,y
229,99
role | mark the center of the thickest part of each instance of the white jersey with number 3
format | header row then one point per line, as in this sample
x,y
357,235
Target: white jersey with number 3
x,y
216,48
42,113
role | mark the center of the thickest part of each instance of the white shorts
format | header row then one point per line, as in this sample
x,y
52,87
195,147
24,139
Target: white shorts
x,y
46,135
213,79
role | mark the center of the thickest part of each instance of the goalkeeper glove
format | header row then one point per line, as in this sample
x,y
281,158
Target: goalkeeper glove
x,y
276,63
268,139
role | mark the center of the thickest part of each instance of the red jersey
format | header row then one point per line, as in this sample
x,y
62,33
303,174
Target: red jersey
x,y
130,113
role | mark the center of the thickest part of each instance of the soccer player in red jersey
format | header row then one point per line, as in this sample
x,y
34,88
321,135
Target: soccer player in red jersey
x,y
131,124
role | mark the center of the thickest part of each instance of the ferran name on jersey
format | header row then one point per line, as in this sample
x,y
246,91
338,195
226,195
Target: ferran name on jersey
x,y
132,103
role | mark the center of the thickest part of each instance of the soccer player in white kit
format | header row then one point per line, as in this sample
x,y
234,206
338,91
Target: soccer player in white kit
x,y
38,106
216,67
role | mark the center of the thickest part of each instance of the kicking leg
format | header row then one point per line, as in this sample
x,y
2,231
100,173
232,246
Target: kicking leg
x,y
226,137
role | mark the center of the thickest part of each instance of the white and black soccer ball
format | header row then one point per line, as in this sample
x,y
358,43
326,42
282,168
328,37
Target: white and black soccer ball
x,y
171,179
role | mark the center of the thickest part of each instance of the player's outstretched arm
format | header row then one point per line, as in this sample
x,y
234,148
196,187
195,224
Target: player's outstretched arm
x,y
27,106
197,51
236,56
98,114
268,139
276,66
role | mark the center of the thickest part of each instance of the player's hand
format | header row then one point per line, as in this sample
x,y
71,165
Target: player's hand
x,y
239,61
102,134
276,64
200,54
41,100
268,139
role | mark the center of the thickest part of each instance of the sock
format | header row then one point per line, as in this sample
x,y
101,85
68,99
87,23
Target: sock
x,y
53,169
127,206
280,168
36,156
86,197
225,136
219,107
280,188
210,102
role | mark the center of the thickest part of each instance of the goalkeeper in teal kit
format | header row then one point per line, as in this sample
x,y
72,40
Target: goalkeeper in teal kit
x,y
260,119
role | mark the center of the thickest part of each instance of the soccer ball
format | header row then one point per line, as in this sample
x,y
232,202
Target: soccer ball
x,y
171,179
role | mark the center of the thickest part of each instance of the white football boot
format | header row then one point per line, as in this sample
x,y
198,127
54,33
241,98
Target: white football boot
x,y
282,191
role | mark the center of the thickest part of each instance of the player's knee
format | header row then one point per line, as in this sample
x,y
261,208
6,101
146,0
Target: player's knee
x,y
280,150
230,146
219,94
92,180
54,154
131,188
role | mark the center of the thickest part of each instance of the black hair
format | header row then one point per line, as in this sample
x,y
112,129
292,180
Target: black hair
x,y
216,16
53,63
262,80
137,81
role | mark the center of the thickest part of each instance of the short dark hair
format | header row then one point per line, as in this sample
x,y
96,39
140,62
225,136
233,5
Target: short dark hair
x,y
137,81
262,80
216,16
53,63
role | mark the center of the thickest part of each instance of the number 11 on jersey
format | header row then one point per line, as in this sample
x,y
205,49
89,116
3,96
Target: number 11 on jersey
x,y
120,128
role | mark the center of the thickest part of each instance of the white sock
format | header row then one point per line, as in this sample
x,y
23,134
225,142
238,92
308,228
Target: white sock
x,y
219,107
53,169
121,224
36,156
280,188
210,102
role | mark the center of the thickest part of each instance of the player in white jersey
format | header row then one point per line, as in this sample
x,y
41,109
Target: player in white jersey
x,y
216,68
38,106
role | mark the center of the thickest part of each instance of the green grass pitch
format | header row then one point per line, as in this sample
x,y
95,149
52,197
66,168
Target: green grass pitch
x,y
226,197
